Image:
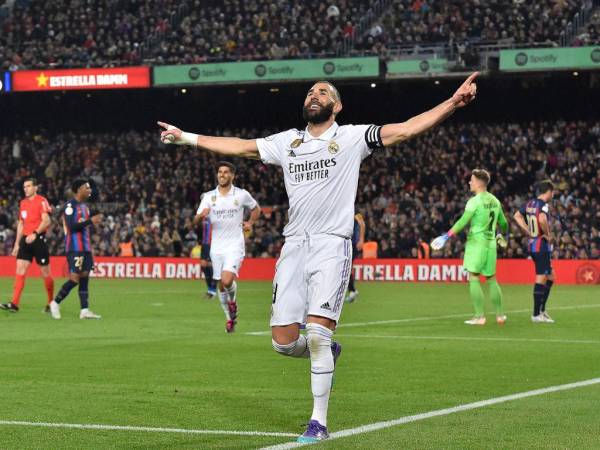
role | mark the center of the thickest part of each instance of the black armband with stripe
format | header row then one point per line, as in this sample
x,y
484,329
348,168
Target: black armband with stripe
x,y
373,137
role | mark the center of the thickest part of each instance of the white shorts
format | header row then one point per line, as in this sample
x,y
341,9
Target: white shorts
x,y
311,277
230,262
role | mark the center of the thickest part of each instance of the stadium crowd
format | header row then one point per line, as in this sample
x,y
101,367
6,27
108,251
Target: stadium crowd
x,y
149,192
100,33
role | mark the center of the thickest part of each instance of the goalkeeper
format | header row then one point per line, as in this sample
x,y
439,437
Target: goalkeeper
x,y
483,211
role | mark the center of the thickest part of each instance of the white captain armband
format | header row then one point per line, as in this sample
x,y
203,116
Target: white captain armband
x,y
373,137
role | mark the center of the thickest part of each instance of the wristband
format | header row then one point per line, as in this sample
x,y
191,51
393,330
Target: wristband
x,y
450,234
189,138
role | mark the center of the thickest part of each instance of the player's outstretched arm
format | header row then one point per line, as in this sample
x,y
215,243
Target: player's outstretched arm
x,y
226,146
398,132
439,242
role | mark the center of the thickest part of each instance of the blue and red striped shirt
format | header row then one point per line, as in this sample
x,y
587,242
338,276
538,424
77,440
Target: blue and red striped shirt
x,y
532,210
77,239
206,231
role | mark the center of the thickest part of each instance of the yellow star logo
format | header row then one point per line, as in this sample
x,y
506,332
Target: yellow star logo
x,y
42,80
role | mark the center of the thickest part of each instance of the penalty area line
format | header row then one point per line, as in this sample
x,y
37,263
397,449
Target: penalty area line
x,y
80,426
443,412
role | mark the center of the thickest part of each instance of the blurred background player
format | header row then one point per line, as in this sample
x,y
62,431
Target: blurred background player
x,y
224,207
30,242
534,218
358,239
483,212
205,261
77,221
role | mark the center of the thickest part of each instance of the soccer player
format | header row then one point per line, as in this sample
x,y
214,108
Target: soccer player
x,y
30,242
358,239
320,167
205,261
483,212
224,207
534,218
76,223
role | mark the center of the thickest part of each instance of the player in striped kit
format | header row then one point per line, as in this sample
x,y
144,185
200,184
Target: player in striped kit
x,y
534,219
77,221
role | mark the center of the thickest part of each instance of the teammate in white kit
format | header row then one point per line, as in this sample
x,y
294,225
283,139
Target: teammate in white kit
x,y
225,206
320,166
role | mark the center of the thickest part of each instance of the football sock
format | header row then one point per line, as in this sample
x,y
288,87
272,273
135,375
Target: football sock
x,y
18,289
476,295
321,368
224,298
351,287
49,284
496,296
83,292
549,284
208,277
296,349
231,291
64,290
539,290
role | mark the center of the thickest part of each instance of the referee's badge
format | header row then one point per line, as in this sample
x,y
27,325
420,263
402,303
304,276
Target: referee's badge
x,y
333,148
296,143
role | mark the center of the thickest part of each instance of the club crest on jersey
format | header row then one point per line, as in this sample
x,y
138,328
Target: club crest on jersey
x,y
296,143
68,210
213,199
236,203
333,147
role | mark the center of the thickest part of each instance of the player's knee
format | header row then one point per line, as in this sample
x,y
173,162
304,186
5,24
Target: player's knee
x,y
284,349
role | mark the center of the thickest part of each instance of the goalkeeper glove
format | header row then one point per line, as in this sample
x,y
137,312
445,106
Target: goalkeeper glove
x,y
501,240
439,242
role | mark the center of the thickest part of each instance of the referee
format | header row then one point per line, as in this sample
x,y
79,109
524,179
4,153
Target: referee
x,y
34,220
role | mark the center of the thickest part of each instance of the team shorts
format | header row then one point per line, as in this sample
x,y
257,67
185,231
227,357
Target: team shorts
x,y
311,278
38,249
230,262
205,252
80,262
543,263
480,257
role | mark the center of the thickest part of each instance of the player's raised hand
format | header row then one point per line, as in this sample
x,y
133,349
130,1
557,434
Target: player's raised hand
x,y
439,242
466,93
170,134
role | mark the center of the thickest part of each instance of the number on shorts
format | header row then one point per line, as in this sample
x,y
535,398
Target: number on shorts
x,y
79,262
532,224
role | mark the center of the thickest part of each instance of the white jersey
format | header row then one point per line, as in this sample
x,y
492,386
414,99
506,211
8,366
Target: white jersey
x,y
226,218
321,175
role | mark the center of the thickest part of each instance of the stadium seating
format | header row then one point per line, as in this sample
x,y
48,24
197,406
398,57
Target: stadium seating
x,y
407,193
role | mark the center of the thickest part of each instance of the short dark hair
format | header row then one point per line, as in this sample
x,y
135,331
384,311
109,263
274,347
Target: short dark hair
x,y
75,185
544,186
33,180
226,164
482,175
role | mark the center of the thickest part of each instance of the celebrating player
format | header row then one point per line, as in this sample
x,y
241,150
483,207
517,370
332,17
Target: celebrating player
x,y
483,212
224,207
320,167
76,222
534,218
30,242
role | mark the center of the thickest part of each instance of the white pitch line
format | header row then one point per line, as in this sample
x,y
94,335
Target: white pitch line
x,y
471,338
442,412
427,318
80,426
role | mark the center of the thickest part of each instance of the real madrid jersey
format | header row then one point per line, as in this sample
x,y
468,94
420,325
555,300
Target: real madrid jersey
x,y
226,218
321,174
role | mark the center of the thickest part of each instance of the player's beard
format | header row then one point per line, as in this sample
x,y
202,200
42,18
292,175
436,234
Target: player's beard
x,y
319,116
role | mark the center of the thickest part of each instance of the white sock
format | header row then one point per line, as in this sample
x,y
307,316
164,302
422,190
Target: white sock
x,y
321,367
223,298
296,349
231,291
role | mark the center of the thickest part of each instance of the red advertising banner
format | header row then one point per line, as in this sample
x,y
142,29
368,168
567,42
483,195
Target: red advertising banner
x,y
78,79
510,271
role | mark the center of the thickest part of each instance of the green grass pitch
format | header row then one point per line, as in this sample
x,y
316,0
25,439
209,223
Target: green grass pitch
x,y
160,357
